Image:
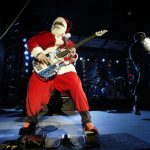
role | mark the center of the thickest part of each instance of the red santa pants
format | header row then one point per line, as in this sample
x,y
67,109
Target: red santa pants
x,y
39,92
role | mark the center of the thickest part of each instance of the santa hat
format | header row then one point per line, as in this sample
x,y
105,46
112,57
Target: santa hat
x,y
67,24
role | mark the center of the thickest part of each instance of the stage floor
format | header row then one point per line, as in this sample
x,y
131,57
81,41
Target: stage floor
x,y
122,129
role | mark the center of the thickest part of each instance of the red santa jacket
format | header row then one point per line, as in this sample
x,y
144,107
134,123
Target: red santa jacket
x,y
44,40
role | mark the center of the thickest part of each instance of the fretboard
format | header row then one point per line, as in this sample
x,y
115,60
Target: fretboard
x,y
64,53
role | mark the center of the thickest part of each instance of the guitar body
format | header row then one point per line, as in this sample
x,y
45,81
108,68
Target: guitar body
x,y
49,71
45,72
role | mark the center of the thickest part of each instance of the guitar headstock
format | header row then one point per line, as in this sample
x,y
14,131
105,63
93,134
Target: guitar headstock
x,y
100,33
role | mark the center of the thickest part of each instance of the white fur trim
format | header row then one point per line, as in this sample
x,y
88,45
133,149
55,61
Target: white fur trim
x,y
65,69
50,49
59,40
36,51
75,57
67,35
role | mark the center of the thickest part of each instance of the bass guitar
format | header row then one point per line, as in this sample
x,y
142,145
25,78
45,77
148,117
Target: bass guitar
x,y
56,59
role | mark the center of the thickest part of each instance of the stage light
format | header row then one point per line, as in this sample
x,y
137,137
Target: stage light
x,y
109,65
26,64
26,70
117,61
147,44
27,57
26,52
129,13
103,60
24,40
25,45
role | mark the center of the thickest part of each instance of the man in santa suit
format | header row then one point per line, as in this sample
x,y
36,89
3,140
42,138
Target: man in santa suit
x,y
139,54
65,81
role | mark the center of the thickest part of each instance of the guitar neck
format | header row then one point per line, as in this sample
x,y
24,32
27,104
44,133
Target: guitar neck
x,y
64,53
84,41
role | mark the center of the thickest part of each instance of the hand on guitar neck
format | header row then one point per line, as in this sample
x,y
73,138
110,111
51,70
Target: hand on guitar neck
x,y
72,52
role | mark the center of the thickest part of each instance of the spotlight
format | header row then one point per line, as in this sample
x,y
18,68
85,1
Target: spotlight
x,y
26,52
24,40
25,45
103,60
27,57
26,70
26,64
117,61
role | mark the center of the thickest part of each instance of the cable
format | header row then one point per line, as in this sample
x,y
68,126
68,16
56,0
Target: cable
x,y
14,20
42,128
137,82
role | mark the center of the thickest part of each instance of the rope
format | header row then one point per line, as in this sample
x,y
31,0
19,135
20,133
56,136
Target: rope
x,y
14,20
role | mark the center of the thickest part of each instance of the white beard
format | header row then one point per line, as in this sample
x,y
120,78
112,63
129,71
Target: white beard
x,y
58,30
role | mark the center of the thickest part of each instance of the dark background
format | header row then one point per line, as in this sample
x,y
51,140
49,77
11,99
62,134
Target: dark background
x,y
121,18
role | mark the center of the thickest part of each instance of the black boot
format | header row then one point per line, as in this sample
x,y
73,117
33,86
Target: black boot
x,y
29,126
137,110
87,124
137,105
85,117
